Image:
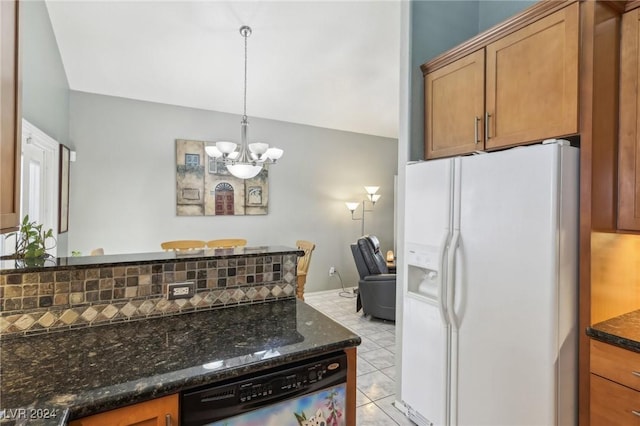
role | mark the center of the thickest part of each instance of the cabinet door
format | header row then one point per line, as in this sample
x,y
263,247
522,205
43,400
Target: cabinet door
x,y
10,117
532,81
157,412
613,404
454,104
629,136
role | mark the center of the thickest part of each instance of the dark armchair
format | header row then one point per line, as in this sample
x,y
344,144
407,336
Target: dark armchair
x,y
376,287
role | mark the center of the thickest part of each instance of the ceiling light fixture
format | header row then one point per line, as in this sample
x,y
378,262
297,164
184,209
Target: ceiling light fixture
x,y
247,160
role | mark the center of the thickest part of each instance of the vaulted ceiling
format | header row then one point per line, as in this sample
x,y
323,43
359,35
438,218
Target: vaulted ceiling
x,y
331,64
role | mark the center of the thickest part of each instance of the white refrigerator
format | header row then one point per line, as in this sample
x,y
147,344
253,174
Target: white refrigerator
x,y
490,292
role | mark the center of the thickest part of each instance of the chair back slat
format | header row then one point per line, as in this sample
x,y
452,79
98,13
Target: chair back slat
x,y
182,245
303,262
227,243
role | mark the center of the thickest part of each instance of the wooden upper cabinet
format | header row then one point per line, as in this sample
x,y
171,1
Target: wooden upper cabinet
x,y
517,86
10,117
454,98
532,81
629,136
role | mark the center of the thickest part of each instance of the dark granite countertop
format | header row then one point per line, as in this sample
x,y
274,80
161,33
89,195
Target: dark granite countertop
x,y
622,331
52,264
86,371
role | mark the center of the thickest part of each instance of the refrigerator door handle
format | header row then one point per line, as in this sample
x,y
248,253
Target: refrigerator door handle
x,y
442,294
451,263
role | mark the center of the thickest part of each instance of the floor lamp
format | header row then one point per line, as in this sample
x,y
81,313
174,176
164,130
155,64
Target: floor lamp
x,y
372,197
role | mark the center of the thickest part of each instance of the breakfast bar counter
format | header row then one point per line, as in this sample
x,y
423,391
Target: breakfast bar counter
x,y
81,372
81,336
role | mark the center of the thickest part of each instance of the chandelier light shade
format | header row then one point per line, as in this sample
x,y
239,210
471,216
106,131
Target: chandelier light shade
x,y
244,161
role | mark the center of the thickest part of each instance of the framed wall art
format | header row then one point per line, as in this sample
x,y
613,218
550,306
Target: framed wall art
x,y
204,186
63,197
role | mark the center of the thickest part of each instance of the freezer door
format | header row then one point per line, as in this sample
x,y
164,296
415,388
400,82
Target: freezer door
x,y
428,201
508,293
425,338
424,363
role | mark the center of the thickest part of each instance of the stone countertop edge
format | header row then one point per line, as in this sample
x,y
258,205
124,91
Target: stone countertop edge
x,y
105,397
622,331
9,266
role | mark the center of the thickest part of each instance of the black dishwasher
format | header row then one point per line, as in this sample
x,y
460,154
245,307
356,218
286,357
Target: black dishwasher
x,y
312,391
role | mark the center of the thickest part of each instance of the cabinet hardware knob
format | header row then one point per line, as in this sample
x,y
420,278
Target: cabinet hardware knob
x,y
486,126
475,129
637,413
636,373
167,420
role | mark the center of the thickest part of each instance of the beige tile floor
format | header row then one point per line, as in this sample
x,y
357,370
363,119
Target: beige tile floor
x,y
376,359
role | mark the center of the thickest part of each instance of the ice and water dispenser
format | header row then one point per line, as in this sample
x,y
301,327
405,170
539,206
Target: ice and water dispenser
x,y
423,270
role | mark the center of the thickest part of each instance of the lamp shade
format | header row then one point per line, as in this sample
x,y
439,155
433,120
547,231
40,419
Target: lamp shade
x,y
371,189
226,147
352,206
258,148
274,153
244,171
213,151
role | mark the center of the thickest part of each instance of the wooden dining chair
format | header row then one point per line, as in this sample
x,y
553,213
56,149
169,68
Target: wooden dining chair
x,y
303,266
227,243
183,245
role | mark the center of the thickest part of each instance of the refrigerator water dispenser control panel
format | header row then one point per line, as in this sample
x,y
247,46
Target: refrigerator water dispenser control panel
x,y
423,256
423,270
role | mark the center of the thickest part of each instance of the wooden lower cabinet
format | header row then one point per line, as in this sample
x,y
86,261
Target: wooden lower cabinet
x,y
352,369
613,404
157,412
615,386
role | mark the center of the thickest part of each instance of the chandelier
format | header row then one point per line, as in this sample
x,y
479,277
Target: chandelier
x,y
244,161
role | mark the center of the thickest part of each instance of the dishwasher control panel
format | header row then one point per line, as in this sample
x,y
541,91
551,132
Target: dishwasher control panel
x,y
224,399
300,379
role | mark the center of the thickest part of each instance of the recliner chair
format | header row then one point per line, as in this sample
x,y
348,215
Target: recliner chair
x,y
376,287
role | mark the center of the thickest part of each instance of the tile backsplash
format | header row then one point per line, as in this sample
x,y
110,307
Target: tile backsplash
x,y
48,300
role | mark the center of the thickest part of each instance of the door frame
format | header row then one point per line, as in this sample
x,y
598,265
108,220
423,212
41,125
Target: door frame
x,y
31,135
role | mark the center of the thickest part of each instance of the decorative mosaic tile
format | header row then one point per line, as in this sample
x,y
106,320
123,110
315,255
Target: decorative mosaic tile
x,y
24,322
4,324
48,301
90,314
47,320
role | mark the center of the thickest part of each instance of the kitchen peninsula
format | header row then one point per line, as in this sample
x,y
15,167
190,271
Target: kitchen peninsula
x,y
89,356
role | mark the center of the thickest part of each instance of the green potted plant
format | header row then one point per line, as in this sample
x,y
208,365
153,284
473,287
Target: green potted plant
x,y
32,243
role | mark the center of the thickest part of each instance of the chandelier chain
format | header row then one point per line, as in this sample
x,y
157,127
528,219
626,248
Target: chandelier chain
x,y
244,114
246,160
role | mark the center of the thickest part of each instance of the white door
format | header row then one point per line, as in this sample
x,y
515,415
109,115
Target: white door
x,y
506,289
425,333
39,186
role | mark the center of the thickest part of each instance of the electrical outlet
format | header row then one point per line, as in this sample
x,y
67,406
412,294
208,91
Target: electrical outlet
x,y
332,270
184,290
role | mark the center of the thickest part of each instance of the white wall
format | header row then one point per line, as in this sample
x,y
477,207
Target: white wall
x,y
123,183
